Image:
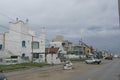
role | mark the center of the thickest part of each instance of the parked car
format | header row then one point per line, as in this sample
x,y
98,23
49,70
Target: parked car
x,y
2,76
109,58
92,60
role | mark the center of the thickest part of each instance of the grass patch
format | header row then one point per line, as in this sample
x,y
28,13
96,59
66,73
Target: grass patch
x,y
21,66
77,59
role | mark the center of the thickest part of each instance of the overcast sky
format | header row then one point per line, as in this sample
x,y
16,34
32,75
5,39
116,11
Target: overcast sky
x,y
93,21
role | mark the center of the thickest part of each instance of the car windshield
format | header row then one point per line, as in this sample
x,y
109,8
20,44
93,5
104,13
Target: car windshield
x,y
90,58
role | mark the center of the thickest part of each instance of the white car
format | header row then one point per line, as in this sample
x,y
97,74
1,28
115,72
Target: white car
x,y
92,60
68,65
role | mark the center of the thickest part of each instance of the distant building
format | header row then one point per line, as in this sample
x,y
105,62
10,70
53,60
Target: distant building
x,y
22,44
52,55
105,53
57,42
67,45
57,45
58,38
86,49
71,50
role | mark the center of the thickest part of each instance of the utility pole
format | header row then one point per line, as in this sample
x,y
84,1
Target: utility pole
x,y
4,41
32,48
48,51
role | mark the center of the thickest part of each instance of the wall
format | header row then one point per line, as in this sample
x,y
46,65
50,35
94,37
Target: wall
x,y
72,56
1,41
52,58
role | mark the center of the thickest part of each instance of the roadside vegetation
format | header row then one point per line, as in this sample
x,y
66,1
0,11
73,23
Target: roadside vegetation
x,y
31,65
21,66
78,59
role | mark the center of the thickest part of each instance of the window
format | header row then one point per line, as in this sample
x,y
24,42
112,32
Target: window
x,y
36,55
23,44
41,56
1,60
14,57
35,45
23,55
0,46
88,51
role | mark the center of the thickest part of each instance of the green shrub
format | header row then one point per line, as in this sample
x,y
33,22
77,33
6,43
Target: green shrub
x,y
21,66
77,59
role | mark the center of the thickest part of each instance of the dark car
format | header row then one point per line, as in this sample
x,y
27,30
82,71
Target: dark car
x,y
2,76
109,58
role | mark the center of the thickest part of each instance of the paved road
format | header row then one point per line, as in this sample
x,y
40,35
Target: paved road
x,y
22,72
109,71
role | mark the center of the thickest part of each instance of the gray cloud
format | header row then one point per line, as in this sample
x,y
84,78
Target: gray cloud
x,y
96,21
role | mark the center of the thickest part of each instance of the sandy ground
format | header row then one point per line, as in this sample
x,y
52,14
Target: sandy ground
x,y
79,68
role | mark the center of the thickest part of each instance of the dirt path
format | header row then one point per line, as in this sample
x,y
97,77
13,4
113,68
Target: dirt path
x,y
57,74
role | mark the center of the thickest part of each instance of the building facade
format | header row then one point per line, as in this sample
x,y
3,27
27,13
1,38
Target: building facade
x,y
52,55
22,43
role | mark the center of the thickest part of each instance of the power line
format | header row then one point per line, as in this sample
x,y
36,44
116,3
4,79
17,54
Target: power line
x,y
11,29
11,40
14,30
19,32
6,16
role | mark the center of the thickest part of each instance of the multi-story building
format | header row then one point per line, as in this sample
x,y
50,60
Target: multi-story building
x,y
86,49
58,38
22,43
67,45
105,53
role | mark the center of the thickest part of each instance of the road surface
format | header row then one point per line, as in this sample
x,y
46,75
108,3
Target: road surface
x,y
109,71
81,71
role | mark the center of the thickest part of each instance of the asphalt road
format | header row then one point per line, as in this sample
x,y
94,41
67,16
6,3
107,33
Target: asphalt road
x,y
109,71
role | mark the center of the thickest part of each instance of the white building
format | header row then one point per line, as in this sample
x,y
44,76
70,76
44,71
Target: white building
x,y
22,44
52,55
54,52
58,45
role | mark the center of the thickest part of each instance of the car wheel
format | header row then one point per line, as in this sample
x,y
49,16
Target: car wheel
x,y
98,62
